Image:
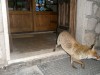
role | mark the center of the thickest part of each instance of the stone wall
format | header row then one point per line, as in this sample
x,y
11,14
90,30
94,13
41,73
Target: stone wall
x,y
92,31
88,22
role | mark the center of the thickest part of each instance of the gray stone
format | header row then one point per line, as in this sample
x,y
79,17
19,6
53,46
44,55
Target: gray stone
x,y
98,74
88,8
98,12
22,70
91,16
91,24
34,70
94,0
63,67
95,7
89,38
98,41
97,30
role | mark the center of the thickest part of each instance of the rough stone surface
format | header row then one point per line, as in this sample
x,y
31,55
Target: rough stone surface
x,y
98,41
88,8
94,0
97,30
91,24
89,38
98,74
63,67
29,70
98,12
34,70
94,8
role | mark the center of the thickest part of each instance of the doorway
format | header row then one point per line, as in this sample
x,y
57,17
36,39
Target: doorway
x,y
38,36
32,30
26,45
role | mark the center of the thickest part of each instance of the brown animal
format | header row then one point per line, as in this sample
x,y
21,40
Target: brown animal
x,y
76,50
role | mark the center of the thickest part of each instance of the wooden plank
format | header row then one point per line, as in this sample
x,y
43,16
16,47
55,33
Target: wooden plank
x,y
73,5
21,22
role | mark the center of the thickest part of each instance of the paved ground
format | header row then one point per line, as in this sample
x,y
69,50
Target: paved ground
x,y
56,66
63,67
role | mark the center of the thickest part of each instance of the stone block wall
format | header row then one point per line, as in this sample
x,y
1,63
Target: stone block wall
x,y
92,32
88,22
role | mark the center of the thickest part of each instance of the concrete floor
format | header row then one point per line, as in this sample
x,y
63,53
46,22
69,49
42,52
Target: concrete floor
x,y
25,45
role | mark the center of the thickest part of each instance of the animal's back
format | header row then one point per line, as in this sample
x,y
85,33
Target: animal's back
x,y
66,41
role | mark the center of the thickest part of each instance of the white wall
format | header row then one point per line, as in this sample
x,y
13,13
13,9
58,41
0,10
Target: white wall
x,y
4,38
2,47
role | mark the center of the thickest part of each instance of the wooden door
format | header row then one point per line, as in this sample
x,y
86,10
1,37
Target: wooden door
x,y
67,15
21,21
63,14
45,22
53,22
73,8
42,22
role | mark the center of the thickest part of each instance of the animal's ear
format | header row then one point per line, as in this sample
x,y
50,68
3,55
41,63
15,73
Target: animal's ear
x,y
92,46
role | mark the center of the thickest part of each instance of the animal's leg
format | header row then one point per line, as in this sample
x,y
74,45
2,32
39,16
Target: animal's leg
x,y
55,47
80,62
58,44
72,63
77,61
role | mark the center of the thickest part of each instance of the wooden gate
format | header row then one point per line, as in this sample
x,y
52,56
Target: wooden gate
x,y
67,15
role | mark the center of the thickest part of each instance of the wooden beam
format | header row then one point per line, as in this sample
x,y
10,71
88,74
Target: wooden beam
x,y
73,8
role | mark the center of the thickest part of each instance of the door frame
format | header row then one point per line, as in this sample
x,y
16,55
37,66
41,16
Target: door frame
x,y
72,22
6,28
71,15
73,4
